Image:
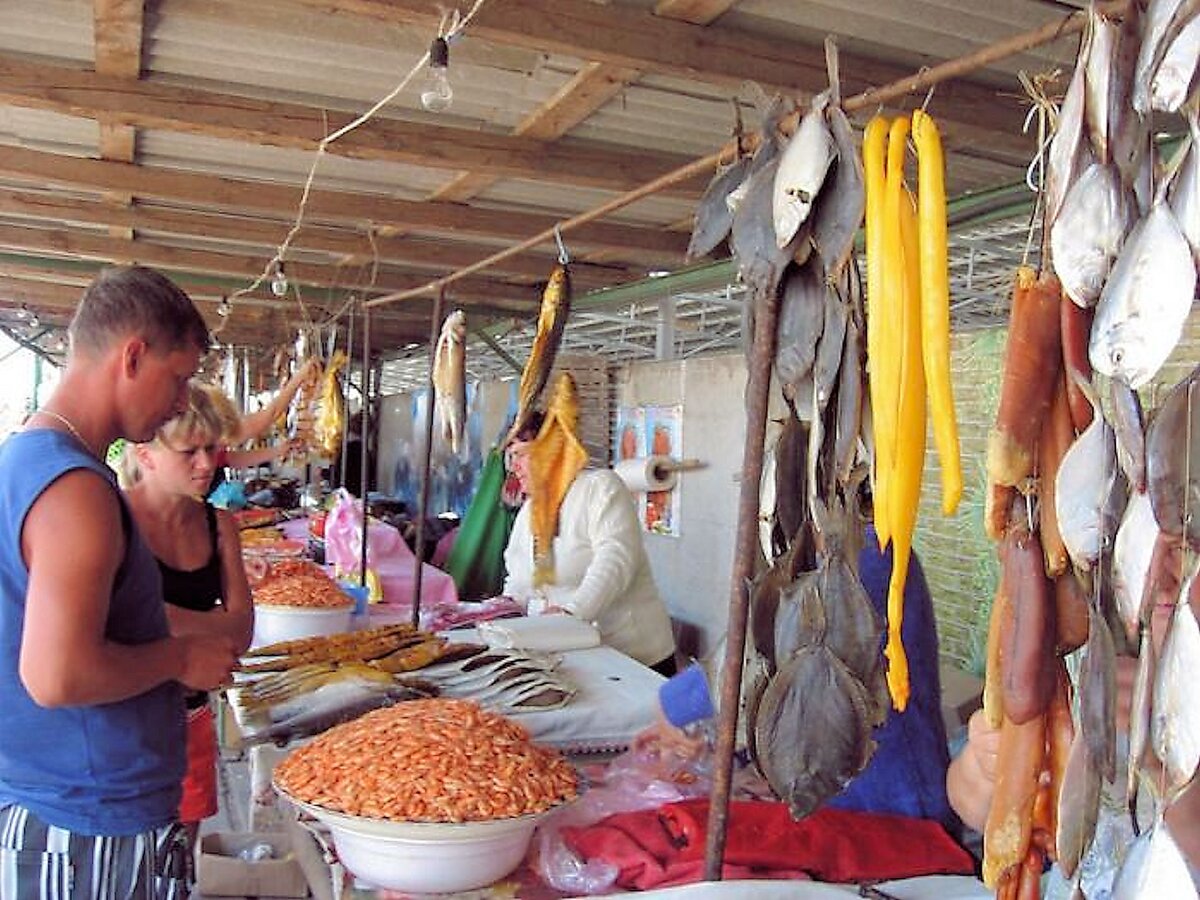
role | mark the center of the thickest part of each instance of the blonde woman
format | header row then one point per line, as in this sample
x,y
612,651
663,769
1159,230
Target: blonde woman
x,y
199,556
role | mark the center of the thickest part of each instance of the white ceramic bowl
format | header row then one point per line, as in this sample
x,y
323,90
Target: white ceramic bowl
x,y
289,623
426,857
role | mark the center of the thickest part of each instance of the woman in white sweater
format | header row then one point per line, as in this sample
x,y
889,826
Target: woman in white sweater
x,y
602,572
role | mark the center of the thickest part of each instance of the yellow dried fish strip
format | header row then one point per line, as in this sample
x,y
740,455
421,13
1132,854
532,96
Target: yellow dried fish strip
x,y
428,761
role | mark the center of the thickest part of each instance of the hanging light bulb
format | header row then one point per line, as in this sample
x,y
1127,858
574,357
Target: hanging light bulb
x,y
224,309
279,282
34,322
436,93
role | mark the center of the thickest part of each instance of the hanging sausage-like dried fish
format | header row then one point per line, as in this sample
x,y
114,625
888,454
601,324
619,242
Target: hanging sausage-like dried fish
x,y
1028,653
450,378
1056,437
1009,825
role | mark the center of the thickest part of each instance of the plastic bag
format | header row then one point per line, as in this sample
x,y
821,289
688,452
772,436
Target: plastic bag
x,y
343,535
663,766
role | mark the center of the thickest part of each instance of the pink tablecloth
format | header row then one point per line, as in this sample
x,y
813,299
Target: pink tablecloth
x,y
397,574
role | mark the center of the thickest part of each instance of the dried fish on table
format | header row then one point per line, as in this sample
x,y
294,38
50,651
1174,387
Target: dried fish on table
x,y
450,378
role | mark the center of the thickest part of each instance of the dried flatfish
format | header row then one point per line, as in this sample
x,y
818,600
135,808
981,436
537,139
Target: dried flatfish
x,y
840,207
1173,460
1156,29
829,351
1099,76
1184,192
1064,155
801,321
1145,301
1129,427
812,733
1174,76
714,216
761,263
1140,711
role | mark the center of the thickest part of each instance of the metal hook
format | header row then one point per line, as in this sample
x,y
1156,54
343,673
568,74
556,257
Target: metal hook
x,y
563,256
928,96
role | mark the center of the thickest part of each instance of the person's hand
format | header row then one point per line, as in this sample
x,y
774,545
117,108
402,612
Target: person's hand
x,y
208,661
983,743
971,779
310,372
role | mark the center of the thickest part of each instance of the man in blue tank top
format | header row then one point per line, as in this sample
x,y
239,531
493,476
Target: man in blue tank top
x,y
92,746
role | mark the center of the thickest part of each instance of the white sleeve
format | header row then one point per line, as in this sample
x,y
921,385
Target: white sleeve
x,y
616,547
518,558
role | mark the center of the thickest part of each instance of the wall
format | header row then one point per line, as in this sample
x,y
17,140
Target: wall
x,y
692,570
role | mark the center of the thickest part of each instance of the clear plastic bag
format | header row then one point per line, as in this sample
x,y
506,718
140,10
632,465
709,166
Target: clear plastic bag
x,y
664,766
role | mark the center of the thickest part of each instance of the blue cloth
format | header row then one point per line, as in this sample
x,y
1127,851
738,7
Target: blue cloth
x,y
907,774
112,768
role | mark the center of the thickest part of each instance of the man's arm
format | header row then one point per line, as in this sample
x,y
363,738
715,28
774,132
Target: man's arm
x,y
259,422
73,542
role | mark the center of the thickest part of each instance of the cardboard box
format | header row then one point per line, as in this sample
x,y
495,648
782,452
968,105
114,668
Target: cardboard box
x,y
221,872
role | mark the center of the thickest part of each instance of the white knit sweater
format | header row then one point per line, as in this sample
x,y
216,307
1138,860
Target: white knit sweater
x,y
602,573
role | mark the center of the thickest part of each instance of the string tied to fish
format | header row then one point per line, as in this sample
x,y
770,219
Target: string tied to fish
x,y
563,256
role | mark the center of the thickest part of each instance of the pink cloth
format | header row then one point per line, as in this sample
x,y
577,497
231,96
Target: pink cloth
x,y
396,571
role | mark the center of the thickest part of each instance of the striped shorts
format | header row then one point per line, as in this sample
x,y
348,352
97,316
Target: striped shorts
x,y
43,862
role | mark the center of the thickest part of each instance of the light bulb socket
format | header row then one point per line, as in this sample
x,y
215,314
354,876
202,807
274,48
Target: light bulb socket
x,y
439,54
223,308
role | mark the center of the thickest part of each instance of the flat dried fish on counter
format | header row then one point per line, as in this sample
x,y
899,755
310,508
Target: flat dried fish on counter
x,y
504,680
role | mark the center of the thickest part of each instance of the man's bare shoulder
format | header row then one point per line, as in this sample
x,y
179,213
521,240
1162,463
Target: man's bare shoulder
x,y
80,506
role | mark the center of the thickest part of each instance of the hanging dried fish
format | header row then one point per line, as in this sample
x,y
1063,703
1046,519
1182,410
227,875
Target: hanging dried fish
x,y
552,319
450,378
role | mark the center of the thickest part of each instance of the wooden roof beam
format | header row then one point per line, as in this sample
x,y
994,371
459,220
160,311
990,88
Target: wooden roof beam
x,y
154,104
219,192
348,245
117,27
972,115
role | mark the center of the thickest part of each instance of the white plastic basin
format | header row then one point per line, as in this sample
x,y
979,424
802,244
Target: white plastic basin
x,y
289,623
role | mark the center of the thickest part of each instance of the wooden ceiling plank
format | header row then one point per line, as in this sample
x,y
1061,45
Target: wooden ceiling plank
x,y
118,27
588,90
702,12
99,247
151,104
351,245
219,192
626,36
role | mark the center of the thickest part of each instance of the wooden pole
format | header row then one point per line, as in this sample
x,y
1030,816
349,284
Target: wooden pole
x,y
366,430
435,326
342,461
922,80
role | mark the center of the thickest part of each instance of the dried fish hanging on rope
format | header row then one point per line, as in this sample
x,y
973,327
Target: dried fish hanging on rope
x,y
1086,555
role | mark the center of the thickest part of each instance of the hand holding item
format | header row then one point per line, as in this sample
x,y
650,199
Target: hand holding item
x,y
208,661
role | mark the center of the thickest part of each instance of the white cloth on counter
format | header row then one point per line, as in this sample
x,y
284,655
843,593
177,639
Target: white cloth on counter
x,y
601,569
547,634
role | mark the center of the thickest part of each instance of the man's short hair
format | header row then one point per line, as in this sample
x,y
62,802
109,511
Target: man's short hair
x,y
133,299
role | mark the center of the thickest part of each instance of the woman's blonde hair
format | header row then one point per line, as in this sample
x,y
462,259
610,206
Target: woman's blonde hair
x,y
207,412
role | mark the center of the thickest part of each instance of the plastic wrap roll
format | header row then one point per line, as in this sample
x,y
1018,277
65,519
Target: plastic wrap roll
x,y
649,473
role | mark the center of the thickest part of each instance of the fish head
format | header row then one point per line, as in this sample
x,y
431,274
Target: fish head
x,y
558,289
455,326
1123,350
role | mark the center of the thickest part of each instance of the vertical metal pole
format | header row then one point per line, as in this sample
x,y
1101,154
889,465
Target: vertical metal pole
x,y
758,384
366,412
346,397
435,328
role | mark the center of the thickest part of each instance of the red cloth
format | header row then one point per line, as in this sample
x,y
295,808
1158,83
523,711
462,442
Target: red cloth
x,y
665,846
200,781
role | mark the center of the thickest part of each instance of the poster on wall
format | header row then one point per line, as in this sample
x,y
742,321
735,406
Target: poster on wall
x,y
643,431
452,475
664,437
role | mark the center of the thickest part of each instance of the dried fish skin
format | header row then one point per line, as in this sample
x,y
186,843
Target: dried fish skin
x,y
1132,551
1087,236
801,173
1145,302
1154,867
812,734
1173,460
1175,720
714,216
